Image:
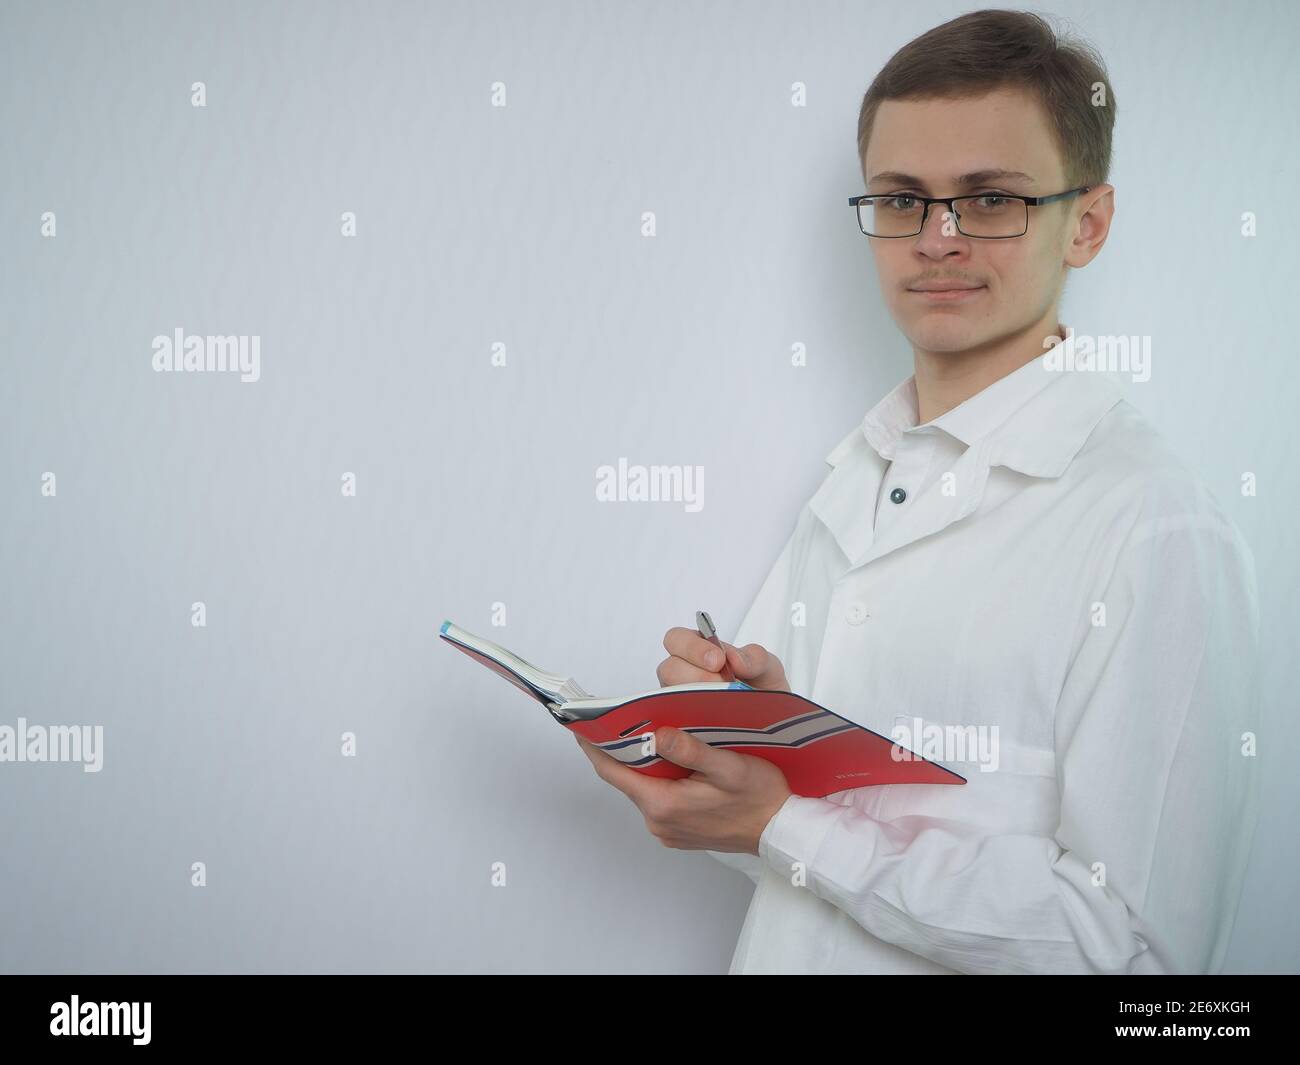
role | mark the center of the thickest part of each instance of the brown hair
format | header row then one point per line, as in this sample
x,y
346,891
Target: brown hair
x,y
986,50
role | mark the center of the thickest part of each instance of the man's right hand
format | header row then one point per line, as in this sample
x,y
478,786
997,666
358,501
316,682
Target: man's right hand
x,y
693,660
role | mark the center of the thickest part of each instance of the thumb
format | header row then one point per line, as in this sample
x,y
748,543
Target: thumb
x,y
746,662
757,666
683,749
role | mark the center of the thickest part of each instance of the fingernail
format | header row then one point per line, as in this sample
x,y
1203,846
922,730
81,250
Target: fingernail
x,y
714,659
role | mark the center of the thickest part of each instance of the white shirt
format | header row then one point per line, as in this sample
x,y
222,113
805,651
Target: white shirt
x,y
1114,836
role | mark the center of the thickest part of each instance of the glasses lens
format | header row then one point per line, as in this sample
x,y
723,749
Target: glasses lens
x,y
890,216
991,216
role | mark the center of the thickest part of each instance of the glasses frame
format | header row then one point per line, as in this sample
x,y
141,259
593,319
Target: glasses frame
x,y
1029,201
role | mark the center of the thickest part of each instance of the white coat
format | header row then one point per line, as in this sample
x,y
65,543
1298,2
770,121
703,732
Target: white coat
x,y
1056,572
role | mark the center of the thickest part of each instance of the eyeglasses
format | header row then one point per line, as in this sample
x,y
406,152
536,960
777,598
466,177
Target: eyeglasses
x,y
989,216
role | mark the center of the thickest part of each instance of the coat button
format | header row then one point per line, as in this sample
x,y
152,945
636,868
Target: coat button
x,y
856,613
897,495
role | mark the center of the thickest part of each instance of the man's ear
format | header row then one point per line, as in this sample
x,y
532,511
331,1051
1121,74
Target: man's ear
x,y
1093,225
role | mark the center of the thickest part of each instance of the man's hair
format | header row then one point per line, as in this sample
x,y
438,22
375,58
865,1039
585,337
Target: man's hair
x,y
992,49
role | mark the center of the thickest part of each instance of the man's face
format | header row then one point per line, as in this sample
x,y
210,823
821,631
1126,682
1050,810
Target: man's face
x,y
932,143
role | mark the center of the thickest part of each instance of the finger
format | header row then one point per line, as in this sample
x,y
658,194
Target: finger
x,y
678,671
691,647
636,786
683,749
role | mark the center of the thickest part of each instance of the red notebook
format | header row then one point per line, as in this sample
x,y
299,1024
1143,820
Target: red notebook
x,y
818,751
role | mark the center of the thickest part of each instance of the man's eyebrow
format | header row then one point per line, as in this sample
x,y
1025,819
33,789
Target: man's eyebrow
x,y
966,181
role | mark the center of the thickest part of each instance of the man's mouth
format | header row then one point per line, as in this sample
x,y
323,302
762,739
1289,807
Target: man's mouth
x,y
947,292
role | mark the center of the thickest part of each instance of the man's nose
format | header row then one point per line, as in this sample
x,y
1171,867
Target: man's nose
x,y
932,240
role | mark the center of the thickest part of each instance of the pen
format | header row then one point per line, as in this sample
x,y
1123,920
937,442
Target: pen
x,y
710,632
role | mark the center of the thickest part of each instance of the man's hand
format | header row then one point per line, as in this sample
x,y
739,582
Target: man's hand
x,y
693,660
727,802
723,806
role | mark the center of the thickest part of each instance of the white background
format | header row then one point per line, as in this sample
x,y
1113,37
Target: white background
x,y
519,225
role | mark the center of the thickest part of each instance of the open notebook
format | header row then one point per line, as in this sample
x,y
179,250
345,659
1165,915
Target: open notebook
x,y
818,751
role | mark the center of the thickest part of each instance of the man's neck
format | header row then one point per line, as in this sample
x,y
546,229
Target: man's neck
x,y
945,379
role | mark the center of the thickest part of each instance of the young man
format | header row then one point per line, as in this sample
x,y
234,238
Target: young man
x,y
1003,544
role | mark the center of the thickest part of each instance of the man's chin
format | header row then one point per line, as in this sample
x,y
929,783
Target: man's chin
x,y
951,335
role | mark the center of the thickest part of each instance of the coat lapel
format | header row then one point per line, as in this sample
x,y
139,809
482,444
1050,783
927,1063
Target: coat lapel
x,y
846,501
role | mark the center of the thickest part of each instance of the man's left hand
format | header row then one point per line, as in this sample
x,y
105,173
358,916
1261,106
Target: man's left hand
x,y
724,805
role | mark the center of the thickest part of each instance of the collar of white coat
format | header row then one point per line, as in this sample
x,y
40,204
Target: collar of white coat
x,y
1034,420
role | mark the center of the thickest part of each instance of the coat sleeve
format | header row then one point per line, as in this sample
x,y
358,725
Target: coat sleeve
x,y
1158,794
